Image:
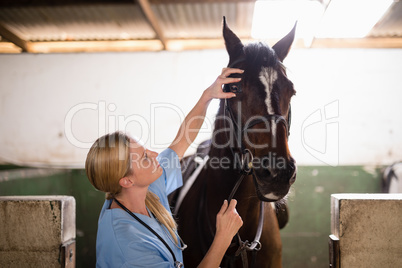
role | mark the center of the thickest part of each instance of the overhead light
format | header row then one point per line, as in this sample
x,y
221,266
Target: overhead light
x,y
351,18
341,19
274,19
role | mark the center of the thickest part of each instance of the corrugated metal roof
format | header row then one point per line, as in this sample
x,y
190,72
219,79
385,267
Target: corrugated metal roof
x,y
125,21
66,23
43,25
391,23
203,20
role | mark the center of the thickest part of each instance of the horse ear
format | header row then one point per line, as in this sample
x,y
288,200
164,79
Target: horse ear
x,y
283,46
234,46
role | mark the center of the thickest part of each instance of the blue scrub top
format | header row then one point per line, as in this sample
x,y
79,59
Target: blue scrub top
x,y
124,242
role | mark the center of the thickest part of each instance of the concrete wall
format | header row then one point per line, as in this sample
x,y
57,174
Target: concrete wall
x,y
52,107
368,229
28,182
33,230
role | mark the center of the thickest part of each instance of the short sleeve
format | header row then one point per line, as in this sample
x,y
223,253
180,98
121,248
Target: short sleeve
x,y
169,161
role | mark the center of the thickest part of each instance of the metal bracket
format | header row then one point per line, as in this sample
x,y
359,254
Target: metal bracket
x,y
334,256
67,254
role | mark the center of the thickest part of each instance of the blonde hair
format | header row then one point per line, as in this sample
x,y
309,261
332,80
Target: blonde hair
x,y
108,161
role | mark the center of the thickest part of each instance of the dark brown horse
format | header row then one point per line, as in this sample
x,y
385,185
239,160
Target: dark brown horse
x,y
249,159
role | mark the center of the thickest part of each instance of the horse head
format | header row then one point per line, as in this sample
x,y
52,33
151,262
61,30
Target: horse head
x,y
262,108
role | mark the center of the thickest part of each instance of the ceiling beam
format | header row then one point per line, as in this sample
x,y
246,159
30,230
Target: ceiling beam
x,y
188,44
368,42
9,48
96,46
150,15
33,3
15,39
197,1
42,3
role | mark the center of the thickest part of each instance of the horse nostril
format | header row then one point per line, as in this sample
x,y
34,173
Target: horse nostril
x,y
266,163
292,171
292,179
268,172
292,165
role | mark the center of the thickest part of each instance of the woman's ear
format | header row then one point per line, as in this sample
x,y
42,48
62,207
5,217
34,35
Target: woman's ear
x,y
125,182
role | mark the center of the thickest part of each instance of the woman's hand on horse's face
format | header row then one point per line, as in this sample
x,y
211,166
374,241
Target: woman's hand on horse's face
x,y
228,221
215,91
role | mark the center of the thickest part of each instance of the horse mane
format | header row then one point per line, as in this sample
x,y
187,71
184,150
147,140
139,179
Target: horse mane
x,y
259,54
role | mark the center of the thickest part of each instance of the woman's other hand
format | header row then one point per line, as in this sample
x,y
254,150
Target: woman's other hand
x,y
228,221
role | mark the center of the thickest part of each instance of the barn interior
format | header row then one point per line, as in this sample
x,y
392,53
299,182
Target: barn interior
x,y
74,70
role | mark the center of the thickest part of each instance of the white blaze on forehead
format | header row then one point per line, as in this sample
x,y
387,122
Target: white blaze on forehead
x,y
273,132
268,77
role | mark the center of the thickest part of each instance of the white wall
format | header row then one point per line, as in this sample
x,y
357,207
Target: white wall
x,y
53,106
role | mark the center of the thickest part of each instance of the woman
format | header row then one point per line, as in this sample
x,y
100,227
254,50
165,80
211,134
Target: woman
x,y
136,228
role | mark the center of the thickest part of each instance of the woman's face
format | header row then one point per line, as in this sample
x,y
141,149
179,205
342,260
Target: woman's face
x,y
145,168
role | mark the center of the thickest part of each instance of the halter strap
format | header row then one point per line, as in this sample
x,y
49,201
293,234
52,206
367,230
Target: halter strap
x,y
245,167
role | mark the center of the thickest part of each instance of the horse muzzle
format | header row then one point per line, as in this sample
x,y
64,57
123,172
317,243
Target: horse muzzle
x,y
274,184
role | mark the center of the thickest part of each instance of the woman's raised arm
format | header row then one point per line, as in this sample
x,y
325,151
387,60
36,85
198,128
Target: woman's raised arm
x,y
192,123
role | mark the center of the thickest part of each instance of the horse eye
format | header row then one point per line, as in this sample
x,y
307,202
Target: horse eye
x,y
234,88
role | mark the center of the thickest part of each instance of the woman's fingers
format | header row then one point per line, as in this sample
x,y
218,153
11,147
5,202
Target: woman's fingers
x,y
224,207
216,91
232,206
229,80
228,221
228,71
